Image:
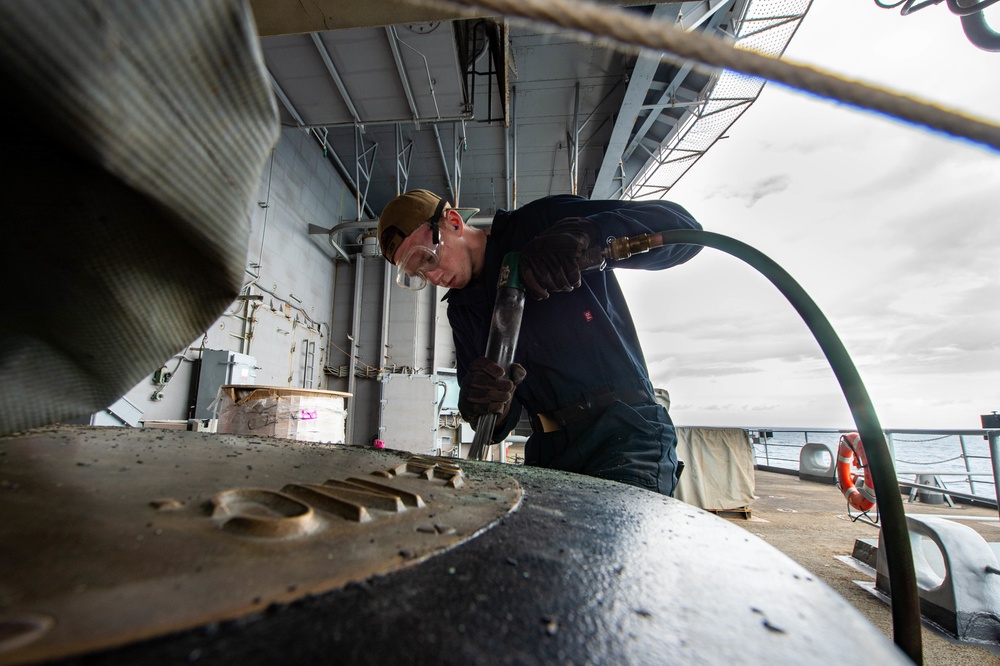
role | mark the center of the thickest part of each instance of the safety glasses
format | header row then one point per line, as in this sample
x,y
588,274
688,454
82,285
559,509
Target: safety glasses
x,y
412,270
420,260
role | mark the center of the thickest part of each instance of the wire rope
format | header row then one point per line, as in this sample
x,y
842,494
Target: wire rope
x,y
632,32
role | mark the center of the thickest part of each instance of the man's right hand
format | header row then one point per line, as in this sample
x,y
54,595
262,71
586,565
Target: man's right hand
x,y
486,389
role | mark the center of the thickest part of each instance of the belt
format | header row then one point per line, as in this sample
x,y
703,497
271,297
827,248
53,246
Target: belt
x,y
585,412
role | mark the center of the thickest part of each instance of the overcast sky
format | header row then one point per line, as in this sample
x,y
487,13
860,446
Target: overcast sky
x,y
891,229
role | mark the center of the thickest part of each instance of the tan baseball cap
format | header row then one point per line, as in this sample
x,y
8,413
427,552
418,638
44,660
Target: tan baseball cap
x,y
405,214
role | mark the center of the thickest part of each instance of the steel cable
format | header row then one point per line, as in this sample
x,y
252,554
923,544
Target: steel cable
x,y
632,31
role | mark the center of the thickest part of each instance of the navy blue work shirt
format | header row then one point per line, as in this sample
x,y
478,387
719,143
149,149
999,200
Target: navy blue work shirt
x,y
574,345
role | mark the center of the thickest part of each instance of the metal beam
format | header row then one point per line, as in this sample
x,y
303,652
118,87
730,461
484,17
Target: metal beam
x,y
692,20
295,114
346,175
404,79
635,96
363,165
335,75
694,14
710,20
444,161
404,154
285,101
666,101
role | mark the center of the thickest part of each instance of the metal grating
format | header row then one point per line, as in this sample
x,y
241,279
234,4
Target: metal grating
x,y
766,27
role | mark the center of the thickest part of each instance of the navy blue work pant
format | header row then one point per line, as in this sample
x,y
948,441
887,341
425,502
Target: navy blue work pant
x,y
633,444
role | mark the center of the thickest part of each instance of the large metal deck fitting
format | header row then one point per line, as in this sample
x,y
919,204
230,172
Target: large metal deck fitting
x,y
964,601
153,546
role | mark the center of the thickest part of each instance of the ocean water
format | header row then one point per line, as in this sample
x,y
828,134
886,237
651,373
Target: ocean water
x,y
913,454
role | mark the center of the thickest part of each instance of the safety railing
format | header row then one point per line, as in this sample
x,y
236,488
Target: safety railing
x,y
962,462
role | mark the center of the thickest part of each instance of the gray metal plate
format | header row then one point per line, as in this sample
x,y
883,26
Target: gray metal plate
x,y
580,571
112,535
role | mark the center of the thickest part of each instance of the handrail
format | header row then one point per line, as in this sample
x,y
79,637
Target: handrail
x,y
765,440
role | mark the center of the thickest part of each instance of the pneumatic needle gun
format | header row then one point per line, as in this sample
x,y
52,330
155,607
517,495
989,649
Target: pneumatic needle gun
x,y
506,322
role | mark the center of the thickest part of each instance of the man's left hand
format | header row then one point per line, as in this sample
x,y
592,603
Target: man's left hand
x,y
552,260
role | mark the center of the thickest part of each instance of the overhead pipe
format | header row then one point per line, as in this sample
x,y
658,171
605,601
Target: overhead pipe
x,y
461,143
395,121
387,281
506,166
427,70
390,32
513,123
338,249
359,278
575,166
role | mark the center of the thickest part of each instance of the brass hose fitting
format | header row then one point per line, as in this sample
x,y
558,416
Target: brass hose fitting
x,y
623,248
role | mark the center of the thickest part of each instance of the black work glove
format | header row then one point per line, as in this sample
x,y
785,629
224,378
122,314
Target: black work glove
x,y
485,389
553,259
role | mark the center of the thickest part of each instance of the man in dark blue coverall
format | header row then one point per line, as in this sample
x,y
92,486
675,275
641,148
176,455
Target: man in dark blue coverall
x,y
579,370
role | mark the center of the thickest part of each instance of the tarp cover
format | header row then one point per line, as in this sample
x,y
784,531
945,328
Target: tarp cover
x,y
718,468
135,136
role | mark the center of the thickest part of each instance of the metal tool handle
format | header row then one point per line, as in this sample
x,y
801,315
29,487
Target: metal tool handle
x,y
502,343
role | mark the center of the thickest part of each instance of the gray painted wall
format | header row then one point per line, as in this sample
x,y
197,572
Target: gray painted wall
x,y
291,270
307,302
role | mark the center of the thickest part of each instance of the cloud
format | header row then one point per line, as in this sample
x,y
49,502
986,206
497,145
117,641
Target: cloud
x,y
734,408
891,229
761,188
692,368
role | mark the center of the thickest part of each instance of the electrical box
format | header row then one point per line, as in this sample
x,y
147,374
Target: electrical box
x,y
220,368
408,413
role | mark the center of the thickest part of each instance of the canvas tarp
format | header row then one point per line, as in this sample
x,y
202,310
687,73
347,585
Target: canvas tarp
x,y
136,133
718,468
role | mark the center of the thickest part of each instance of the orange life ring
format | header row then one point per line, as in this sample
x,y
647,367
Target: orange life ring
x,y
859,490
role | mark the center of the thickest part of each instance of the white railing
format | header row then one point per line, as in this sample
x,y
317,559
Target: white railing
x,y
962,461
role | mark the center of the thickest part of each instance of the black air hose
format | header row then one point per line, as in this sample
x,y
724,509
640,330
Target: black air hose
x,y
895,535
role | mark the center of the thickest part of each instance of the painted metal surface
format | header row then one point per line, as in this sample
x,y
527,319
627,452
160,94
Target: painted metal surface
x,y
120,534
964,598
582,570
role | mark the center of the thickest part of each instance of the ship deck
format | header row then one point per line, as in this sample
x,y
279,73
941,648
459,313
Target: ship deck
x,y
809,522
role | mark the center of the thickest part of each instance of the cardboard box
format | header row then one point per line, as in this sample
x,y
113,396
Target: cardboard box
x,y
292,413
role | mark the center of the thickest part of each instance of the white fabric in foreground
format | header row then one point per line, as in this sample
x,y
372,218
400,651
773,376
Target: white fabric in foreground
x,y
135,135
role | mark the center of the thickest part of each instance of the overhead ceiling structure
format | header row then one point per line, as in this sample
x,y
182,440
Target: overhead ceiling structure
x,y
494,115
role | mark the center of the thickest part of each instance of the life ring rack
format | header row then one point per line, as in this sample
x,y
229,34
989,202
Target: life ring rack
x,y
859,490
